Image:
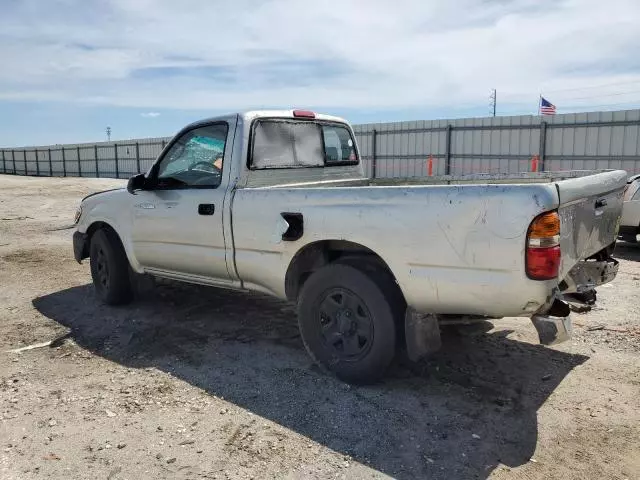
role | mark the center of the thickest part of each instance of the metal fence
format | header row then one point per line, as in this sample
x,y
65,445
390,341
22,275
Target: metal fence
x,y
104,159
582,141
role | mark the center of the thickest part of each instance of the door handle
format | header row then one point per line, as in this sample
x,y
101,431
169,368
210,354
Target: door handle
x,y
206,209
601,203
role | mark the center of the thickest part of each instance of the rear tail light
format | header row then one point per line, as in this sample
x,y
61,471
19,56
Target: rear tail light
x,y
304,114
543,247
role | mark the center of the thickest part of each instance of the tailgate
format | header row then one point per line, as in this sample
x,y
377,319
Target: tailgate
x,y
590,210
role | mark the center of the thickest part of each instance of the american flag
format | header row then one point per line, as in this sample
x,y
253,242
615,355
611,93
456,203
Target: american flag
x,y
546,107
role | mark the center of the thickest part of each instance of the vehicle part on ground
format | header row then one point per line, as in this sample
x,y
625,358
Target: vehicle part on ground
x,y
554,326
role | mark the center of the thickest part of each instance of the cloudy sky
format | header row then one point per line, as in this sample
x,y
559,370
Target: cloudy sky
x,y
69,68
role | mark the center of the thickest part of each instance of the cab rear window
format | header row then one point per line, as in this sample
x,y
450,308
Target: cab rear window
x,y
280,143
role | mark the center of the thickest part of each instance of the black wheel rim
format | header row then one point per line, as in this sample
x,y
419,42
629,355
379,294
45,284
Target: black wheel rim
x,y
102,268
345,324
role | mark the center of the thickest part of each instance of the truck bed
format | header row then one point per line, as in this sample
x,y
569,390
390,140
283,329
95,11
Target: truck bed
x,y
455,244
351,177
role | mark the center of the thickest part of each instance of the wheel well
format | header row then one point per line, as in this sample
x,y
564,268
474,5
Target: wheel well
x,y
93,228
318,254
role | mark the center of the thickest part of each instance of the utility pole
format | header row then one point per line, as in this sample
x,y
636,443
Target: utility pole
x,y
108,134
494,100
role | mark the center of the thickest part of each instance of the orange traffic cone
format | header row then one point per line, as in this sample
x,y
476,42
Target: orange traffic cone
x,y
534,163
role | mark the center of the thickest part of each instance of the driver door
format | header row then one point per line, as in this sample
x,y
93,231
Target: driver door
x,y
178,220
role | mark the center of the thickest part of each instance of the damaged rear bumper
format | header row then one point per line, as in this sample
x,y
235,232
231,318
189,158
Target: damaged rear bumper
x,y
588,274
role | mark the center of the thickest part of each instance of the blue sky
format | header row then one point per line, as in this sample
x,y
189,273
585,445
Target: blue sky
x,y
147,67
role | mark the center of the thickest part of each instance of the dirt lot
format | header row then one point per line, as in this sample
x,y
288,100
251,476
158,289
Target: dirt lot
x,y
191,382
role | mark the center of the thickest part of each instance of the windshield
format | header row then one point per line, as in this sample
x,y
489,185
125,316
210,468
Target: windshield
x,y
292,144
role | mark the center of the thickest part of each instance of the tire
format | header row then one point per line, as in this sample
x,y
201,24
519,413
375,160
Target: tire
x,y
387,283
347,323
110,268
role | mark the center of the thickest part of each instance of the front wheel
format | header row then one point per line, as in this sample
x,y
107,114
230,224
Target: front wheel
x,y
347,323
110,268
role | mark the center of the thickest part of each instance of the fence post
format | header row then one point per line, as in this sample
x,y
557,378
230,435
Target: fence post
x,y
374,159
37,162
95,156
543,145
13,157
4,163
64,163
138,157
115,155
50,163
24,155
447,151
79,165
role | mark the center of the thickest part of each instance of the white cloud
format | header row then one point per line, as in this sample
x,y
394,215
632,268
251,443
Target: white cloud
x,y
150,114
366,54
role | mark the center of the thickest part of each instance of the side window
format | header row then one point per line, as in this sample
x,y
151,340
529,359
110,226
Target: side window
x,y
338,144
195,159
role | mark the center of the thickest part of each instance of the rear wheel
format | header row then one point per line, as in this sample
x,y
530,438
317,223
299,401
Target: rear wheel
x,y
347,323
110,268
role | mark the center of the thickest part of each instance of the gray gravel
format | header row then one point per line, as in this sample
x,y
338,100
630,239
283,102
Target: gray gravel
x,y
191,382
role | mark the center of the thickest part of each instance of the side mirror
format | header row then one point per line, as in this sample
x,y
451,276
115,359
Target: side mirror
x,y
136,182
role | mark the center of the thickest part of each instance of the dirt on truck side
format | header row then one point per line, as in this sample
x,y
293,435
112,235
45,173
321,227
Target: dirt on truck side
x,y
192,382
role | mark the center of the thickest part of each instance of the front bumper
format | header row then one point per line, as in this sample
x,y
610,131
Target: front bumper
x,y
80,246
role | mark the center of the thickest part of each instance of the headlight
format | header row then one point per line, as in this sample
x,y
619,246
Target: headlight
x,y
78,215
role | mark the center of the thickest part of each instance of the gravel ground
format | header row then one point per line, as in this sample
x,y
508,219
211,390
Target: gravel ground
x,y
191,382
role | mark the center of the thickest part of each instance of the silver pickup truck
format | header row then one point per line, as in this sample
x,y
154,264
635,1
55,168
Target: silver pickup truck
x,y
277,202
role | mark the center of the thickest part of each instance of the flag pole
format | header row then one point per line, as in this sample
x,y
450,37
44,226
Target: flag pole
x,y
539,104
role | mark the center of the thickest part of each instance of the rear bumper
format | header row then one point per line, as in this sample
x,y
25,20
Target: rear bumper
x,y
80,246
588,274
